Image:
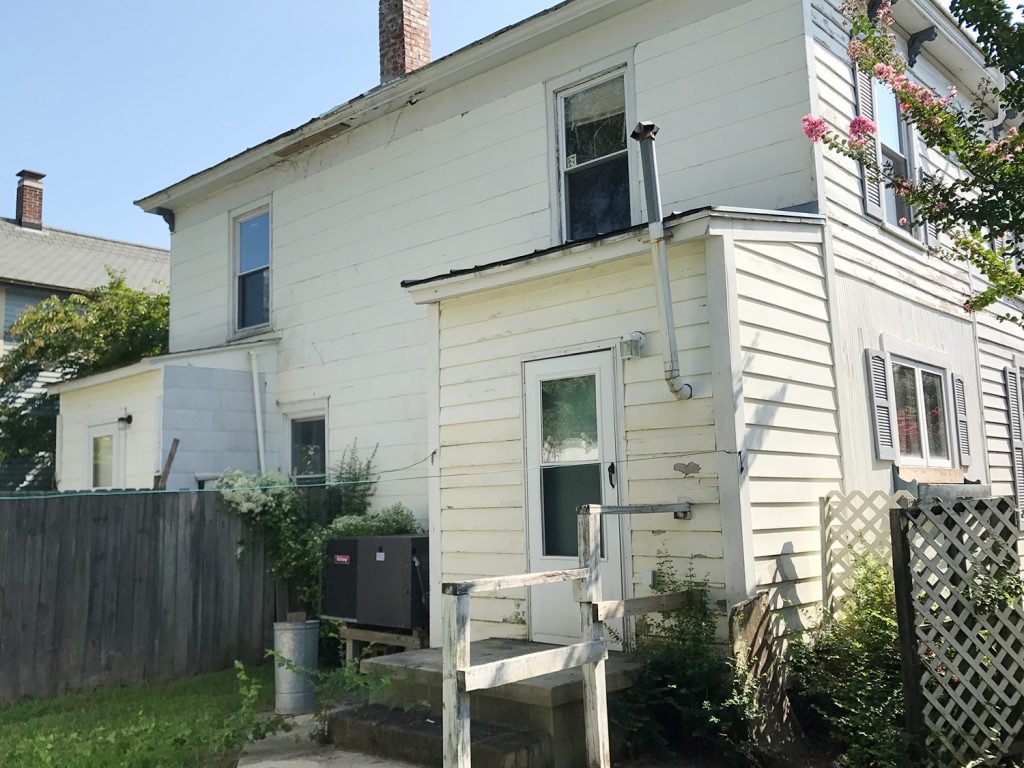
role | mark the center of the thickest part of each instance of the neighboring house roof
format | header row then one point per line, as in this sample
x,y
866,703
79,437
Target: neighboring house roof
x,y
56,258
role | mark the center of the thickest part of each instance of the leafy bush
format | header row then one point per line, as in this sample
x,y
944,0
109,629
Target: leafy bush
x,y
274,506
689,693
352,483
846,675
393,520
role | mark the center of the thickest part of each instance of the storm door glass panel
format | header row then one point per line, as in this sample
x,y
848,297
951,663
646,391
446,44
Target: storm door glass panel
x,y
309,454
570,458
594,159
935,415
907,411
103,461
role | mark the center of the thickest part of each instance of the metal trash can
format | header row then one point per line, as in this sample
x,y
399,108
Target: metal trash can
x,y
295,691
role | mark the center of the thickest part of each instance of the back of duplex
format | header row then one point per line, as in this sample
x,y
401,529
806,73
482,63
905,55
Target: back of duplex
x,y
525,365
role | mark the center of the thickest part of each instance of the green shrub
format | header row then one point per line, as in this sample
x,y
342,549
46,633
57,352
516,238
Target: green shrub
x,y
846,675
689,695
393,520
351,483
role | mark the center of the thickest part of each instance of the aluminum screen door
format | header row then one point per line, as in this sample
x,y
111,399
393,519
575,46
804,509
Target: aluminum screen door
x,y
570,460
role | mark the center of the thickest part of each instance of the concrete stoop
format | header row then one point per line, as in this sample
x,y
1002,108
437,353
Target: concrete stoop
x,y
535,723
414,735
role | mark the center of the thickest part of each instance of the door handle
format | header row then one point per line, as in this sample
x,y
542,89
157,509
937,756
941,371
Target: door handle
x,y
611,474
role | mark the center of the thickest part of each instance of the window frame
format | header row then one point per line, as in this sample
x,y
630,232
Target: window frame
x,y
238,218
304,410
904,155
945,377
314,479
555,92
102,426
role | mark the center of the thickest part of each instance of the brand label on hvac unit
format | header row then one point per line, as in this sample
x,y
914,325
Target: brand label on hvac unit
x,y
342,559
380,557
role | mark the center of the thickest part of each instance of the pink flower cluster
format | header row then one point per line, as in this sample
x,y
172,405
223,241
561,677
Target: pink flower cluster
x,y
861,126
815,128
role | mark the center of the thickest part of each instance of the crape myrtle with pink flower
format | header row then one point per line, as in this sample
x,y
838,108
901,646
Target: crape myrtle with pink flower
x,y
982,211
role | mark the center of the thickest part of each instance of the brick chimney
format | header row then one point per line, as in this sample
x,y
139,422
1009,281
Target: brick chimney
x,y
404,37
28,210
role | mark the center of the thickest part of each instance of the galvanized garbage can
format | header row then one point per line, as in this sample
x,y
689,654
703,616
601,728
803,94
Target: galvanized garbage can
x,y
295,691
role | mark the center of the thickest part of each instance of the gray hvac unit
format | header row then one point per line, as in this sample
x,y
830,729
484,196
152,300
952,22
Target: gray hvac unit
x,y
378,581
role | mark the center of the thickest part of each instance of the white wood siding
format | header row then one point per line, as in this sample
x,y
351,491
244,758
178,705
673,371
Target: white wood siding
x,y
484,340
462,177
136,395
791,443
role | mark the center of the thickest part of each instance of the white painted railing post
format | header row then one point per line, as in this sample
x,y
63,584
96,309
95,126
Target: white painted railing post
x,y
455,702
595,694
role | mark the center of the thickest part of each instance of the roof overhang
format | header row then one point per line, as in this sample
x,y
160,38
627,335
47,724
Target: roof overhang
x,y
150,364
680,227
506,45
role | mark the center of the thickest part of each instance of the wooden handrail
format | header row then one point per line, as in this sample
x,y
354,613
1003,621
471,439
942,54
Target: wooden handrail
x,y
497,583
636,606
504,671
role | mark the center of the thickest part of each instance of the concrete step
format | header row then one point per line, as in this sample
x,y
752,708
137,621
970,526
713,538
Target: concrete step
x,y
414,735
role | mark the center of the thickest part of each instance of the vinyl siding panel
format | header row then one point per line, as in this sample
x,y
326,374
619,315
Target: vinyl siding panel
x,y
484,340
790,407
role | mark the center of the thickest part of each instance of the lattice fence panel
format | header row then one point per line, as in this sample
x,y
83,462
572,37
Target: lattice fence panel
x,y
852,526
970,642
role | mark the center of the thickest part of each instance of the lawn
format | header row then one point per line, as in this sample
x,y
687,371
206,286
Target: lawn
x,y
192,722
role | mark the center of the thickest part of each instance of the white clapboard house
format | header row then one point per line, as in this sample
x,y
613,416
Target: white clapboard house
x,y
520,369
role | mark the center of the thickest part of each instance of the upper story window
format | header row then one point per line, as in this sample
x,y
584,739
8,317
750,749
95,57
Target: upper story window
x,y
594,157
894,146
252,270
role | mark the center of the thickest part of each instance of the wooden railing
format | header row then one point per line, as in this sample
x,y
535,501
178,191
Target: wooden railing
x,y
460,677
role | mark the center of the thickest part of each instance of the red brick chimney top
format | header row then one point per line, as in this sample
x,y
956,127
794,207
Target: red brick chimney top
x,y
404,37
28,209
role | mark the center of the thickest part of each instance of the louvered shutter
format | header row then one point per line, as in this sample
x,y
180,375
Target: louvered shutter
x,y
930,232
882,407
960,410
1011,376
873,193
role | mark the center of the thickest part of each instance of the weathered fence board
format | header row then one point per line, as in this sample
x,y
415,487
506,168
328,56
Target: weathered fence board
x,y
114,589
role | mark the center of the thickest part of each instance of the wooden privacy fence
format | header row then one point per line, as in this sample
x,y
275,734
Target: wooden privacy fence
x,y
460,677
853,525
125,588
961,628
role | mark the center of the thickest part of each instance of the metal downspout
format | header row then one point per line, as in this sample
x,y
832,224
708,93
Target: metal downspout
x,y
644,134
257,405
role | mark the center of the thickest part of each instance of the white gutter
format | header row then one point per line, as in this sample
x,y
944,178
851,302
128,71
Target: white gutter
x,y
644,134
257,405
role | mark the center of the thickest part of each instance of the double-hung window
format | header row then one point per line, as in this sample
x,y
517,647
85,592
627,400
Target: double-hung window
x,y
594,157
894,147
919,410
252,270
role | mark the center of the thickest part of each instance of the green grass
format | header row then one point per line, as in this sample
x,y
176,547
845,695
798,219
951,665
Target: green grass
x,y
192,722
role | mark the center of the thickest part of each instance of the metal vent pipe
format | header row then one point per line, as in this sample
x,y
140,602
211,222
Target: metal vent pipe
x,y
644,134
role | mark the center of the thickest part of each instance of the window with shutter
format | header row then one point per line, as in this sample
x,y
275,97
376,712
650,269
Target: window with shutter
x,y
1011,378
963,436
880,386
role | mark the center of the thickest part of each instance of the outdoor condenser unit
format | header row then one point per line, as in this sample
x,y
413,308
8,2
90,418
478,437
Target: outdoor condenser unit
x,y
380,581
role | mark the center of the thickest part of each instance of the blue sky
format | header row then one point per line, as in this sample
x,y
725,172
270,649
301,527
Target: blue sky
x,y
115,100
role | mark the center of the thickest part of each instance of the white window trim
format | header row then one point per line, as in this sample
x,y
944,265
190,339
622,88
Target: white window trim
x,y
934,361
945,378
555,90
236,217
99,425
304,410
910,138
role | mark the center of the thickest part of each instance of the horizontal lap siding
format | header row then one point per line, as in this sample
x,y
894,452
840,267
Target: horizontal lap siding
x,y
791,442
998,345
863,249
484,340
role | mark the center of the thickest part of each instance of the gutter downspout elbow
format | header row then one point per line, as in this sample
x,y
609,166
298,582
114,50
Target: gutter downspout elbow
x,y
644,134
257,406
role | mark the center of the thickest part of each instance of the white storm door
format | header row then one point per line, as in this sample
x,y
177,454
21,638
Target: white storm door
x,y
570,460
